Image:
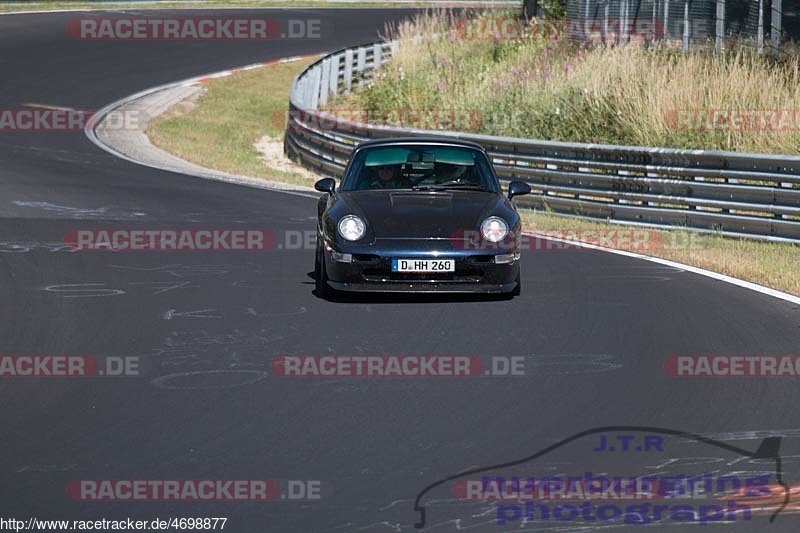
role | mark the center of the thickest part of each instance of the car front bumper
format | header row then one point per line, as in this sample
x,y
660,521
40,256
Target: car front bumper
x,y
475,272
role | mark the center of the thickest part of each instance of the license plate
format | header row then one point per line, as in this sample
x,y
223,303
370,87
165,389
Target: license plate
x,y
423,265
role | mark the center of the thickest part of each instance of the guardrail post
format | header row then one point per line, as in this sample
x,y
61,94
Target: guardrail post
x,y
654,18
720,29
348,70
333,76
625,33
686,26
315,88
307,89
299,87
323,86
777,13
622,189
376,56
362,64
529,9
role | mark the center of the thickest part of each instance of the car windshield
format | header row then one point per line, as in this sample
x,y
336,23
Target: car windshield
x,y
422,167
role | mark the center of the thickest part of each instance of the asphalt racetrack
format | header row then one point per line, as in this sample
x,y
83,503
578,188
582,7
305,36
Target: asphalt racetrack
x,y
594,331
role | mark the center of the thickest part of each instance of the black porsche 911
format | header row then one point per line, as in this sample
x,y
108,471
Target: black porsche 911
x,y
418,215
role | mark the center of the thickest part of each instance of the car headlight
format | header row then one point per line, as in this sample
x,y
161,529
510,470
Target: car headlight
x,y
494,229
352,228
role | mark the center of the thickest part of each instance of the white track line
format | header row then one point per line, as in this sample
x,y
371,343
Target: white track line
x,y
695,270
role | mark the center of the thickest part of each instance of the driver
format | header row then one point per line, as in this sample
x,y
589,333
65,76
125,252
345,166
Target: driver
x,y
388,177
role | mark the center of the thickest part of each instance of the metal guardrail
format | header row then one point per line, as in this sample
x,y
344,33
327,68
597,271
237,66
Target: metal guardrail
x,y
740,194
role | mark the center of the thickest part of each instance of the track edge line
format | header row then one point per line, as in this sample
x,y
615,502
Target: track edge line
x,y
775,293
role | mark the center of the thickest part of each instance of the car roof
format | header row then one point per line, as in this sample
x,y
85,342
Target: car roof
x,y
420,140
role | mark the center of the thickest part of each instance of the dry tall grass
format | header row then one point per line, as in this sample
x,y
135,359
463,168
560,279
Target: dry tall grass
x,y
557,89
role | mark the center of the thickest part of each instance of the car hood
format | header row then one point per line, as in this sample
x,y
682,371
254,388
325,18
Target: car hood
x,y
421,214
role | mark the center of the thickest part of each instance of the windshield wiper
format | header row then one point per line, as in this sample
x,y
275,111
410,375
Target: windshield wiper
x,y
464,186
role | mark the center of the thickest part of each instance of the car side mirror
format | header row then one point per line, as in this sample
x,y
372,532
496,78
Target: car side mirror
x,y
518,188
327,185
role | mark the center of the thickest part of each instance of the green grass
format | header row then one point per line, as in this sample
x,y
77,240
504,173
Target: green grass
x,y
230,117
